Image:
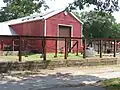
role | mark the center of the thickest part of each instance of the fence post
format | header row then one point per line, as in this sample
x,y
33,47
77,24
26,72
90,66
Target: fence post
x,y
117,45
55,48
77,49
105,47
91,42
66,49
94,44
98,47
84,48
2,47
12,45
114,48
69,43
111,46
101,45
20,49
44,49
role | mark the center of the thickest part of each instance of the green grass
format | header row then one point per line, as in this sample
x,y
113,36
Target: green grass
x,y
112,84
50,56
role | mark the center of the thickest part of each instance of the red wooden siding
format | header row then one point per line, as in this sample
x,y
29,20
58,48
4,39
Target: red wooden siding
x,y
53,27
33,28
36,28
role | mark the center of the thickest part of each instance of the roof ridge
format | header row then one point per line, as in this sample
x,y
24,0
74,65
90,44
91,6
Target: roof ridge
x,y
38,16
33,17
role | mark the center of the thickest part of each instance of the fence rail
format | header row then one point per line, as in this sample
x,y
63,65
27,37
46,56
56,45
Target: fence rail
x,y
65,39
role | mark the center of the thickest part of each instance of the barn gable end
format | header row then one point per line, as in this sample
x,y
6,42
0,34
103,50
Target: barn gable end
x,y
65,19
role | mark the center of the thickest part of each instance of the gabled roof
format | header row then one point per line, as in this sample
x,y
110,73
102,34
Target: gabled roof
x,y
6,30
76,17
38,16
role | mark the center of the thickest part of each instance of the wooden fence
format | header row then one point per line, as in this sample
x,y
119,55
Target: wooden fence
x,y
44,38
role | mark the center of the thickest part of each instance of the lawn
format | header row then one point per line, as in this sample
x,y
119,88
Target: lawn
x,y
49,56
112,84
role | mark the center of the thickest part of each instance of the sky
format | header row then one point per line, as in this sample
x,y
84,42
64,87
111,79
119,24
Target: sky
x,y
1,3
58,4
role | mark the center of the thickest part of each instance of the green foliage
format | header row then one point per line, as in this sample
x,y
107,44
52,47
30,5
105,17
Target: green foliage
x,y
100,5
112,84
20,8
97,24
116,31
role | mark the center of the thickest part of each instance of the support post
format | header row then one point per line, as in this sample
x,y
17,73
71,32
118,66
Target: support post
x,y
84,48
91,43
55,48
114,48
77,49
13,47
2,47
44,49
111,46
66,50
69,45
98,47
117,45
105,47
94,44
101,45
20,49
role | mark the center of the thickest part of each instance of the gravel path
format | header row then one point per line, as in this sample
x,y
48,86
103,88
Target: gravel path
x,y
78,88
59,79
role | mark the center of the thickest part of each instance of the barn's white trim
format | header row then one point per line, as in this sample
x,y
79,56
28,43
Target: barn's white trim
x,y
45,28
76,17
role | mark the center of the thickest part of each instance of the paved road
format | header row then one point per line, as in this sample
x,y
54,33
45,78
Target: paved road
x,y
50,82
16,86
68,80
21,86
79,88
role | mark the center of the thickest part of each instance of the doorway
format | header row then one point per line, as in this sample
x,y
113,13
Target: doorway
x,y
64,31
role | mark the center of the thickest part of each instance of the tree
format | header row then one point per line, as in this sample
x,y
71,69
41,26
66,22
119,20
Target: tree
x,y
116,30
100,5
97,24
20,8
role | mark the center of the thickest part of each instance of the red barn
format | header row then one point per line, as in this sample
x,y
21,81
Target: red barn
x,y
55,23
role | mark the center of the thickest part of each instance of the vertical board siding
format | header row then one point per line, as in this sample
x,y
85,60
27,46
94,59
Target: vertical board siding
x,y
34,28
53,28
